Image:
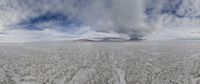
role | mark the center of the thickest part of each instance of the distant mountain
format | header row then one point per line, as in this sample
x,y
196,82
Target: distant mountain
x,y
109,39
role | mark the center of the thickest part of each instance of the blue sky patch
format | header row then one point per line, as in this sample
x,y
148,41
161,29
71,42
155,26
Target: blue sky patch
x,y
62,22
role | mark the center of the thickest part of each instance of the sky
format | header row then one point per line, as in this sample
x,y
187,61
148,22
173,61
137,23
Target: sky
x,y
43,20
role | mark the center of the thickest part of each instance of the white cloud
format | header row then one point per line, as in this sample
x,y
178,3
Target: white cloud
x,y
100,18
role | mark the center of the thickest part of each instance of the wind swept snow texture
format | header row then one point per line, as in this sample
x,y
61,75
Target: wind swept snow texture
x,y
100,63
28,20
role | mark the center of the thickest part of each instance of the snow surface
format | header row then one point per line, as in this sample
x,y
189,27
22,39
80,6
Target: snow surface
x,y
100,63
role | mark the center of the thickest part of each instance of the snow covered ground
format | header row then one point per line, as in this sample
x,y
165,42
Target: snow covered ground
x,y
100,63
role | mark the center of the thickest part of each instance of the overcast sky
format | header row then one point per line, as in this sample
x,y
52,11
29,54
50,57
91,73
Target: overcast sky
x,y
41,20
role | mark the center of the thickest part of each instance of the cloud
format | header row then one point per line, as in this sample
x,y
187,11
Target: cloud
x,y
28,19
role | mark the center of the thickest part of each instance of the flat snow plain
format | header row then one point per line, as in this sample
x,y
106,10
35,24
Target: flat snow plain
x,y
100,63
